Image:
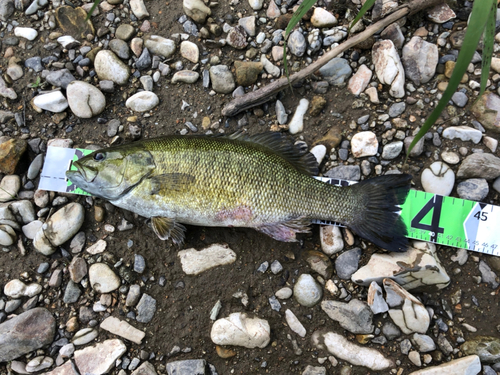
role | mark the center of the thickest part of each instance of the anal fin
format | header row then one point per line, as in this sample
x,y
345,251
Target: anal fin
x,y
166,228
286,231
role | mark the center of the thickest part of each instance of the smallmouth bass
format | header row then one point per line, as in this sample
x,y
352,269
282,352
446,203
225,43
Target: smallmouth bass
x,y
262,182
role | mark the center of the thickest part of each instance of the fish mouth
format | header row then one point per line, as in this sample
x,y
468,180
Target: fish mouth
x,y
86,173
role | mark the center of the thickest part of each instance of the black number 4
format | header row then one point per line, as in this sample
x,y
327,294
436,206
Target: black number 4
x,y
434,204
483,216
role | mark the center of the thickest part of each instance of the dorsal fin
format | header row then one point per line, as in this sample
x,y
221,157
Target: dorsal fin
x,y
281,145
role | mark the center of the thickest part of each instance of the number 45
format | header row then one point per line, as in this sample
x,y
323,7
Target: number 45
x,y
483,216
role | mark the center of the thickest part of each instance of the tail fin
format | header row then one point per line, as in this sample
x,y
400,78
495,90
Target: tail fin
x,y
378,220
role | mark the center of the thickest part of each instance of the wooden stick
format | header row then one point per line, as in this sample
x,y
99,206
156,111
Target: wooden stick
x,y
265,93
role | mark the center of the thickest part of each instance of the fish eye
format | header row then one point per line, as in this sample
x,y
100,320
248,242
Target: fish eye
x,y
99,156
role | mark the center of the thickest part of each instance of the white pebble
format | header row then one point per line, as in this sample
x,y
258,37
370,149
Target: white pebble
x,y
297,123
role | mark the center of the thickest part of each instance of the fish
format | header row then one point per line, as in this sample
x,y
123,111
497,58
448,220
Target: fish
x,y
260,181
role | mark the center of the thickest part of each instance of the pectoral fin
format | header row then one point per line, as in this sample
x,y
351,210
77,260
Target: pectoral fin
x,y
286,231
170,182
166,228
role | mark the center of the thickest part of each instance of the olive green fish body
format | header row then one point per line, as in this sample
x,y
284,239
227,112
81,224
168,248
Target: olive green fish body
x,y
261,182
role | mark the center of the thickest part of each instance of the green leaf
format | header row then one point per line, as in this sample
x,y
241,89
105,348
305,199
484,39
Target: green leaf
x,y
480,14
367,5
489,40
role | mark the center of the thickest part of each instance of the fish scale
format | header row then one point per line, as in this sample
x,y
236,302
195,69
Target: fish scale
x,y
262,181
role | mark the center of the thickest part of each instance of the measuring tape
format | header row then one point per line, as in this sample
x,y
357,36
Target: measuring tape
x,y
428,217
446,221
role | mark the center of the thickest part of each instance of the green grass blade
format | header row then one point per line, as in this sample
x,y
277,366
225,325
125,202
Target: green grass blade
x,y
479,16
362,11
89,14
489,39
297,16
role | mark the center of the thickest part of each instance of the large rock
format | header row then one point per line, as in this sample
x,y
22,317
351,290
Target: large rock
x,y
73,22
196,9
194,262
470,365
123,329
84,99
24,333
142,101
336,71
480,165
416,269
388,67
100,358
102,278
487,111
10,154
420,59
357,355
52,101
355,316
110,68
241,330
222,79
61,226
486,347
159,45
406,311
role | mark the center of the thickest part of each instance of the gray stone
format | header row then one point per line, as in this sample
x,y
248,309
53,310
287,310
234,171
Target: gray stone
x,y
355,316
139,263
397,109
26,332
314,370
281,114
144,60
222,79
424,343
160,46
336,71
146,309
347,263
297,44
392,150
71,293
35,167
187,367
460,99
474,189
34,63
145,369
120,47
487,275
420,59
345,172
391,331
60,78
237,37
6,9
481,165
